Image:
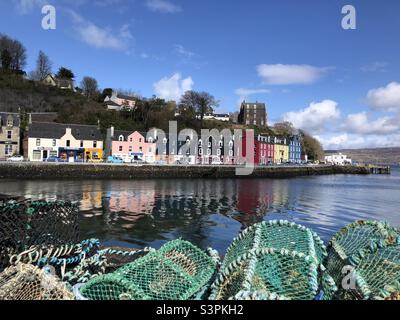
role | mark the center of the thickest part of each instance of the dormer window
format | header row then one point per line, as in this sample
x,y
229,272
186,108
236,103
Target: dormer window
x,y
10,122
121,138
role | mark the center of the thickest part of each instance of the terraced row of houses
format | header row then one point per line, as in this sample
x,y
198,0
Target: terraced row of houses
x,y
49,141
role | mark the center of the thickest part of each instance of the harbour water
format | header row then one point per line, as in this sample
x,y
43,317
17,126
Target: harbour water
x,y
212,212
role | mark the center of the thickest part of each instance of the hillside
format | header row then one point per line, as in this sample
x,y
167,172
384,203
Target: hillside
x,y
386,156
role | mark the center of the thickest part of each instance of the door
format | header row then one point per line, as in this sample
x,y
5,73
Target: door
x,y
45,154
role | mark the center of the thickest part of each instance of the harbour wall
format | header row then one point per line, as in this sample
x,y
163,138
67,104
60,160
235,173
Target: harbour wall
x,y
57,171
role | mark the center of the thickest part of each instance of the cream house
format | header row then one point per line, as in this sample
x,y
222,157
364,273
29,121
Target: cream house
x,y
68,142
9,135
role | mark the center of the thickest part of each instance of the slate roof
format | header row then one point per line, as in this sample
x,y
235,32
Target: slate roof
x,y
51,130
4,116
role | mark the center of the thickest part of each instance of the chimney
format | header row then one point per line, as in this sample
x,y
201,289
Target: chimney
x,y
98,124
112,132
30,118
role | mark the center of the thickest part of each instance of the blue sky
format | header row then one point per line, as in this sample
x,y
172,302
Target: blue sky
x,y
341,85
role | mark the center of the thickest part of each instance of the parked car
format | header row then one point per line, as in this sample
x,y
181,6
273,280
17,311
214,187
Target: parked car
x,y
95,160
137,161
52,159
113,159
16,159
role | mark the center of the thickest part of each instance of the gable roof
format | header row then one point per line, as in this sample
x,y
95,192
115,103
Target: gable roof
x,y
125,97
4,116
51,130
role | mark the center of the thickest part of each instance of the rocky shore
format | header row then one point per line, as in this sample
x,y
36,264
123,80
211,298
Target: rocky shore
x,y
51,171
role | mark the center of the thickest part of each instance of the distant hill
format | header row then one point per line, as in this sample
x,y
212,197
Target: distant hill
x,y
386,156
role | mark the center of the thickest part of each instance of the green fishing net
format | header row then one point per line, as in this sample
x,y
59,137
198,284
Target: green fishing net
x,y
37,223
349,242
272,260
178,271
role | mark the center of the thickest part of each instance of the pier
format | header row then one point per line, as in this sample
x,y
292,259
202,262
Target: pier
x,y
374,169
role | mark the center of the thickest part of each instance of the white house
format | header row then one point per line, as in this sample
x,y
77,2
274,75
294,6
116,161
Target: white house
x,y
68,142
338,159
118,101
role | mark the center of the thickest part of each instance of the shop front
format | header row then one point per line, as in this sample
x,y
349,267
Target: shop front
x,y
43,153
72,155
94,155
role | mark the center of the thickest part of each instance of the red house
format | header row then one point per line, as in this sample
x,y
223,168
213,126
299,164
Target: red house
x,y
264,150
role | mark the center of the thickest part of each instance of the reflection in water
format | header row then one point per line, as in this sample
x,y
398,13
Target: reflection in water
x,y
212,212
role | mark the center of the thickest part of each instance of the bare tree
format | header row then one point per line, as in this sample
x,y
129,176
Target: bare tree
x,y
198,103
43,67
89,86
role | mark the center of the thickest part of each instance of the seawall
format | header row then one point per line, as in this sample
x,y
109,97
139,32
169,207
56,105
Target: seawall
x,y
53,171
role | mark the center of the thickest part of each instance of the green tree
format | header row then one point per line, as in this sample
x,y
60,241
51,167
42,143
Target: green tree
x,y
64,73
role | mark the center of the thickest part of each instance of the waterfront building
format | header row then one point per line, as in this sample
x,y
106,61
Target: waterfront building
x,y
253,114
264,150
281,150
9,135
338,159
67,142
130,146
295,149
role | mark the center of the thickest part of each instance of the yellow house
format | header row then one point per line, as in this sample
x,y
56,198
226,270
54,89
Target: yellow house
x,y
281,151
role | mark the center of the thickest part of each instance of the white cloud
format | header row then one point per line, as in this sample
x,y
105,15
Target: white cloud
x,y
378,66
280,74
354,141
163,6
173,88
26,6
315,117
250,92
359,123
385,98
99,37
182,51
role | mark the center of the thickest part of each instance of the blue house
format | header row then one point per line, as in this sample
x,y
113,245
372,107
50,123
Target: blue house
x,y
295,149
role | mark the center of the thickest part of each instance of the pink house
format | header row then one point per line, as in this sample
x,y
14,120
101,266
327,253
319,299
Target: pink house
x,y
132,147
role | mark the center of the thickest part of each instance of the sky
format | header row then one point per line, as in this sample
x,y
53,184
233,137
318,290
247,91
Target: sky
x,y
343,86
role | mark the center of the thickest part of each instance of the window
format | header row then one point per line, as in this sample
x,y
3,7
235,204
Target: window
x,y
10,122
94,144
130,149
141,149
121,138
9,134
68,143
37,142
8,150
120,148
130,140
54,142
200,151
81,144
150,150
140,140
37,155
53,154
